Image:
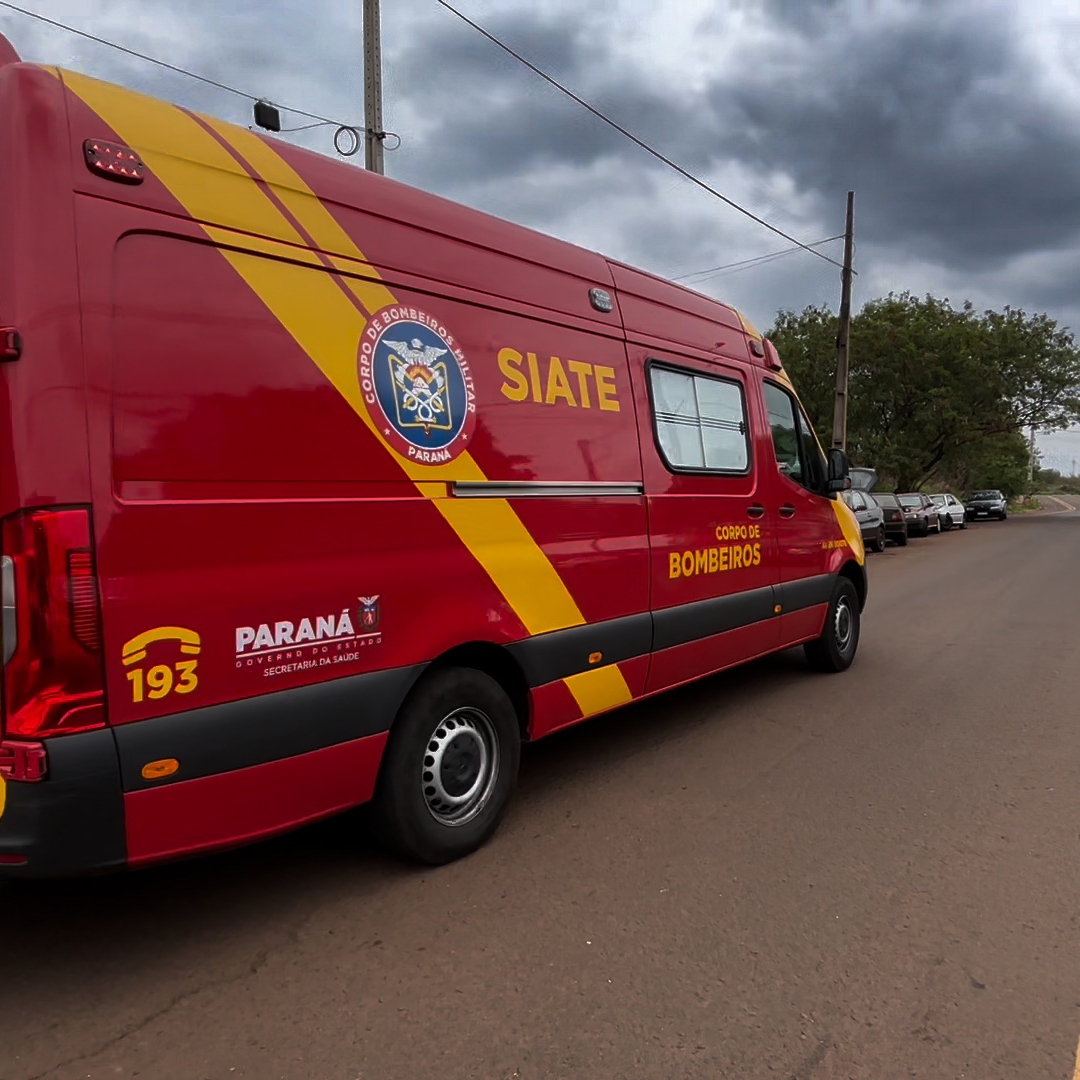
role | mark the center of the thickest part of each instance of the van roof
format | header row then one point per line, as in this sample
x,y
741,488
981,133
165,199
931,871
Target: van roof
x,y
342,183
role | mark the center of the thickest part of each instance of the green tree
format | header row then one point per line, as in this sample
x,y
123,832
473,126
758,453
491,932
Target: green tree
x,y
936,392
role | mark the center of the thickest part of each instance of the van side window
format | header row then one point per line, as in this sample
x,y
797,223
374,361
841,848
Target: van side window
x,y
797,451
700,421
785,433
815,463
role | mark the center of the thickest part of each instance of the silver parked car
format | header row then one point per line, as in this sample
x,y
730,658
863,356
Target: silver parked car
x,y
951,510
870,516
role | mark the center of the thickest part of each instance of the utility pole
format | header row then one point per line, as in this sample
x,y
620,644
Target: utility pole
x,y
843,357
373,122
1031,460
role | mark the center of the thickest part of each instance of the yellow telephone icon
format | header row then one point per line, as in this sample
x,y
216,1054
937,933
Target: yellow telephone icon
x,y
135,649
162,679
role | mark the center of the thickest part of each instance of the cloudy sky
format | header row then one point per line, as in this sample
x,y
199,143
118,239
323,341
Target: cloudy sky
x,y
956,122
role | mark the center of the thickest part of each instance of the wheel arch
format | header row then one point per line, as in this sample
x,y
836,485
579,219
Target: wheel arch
x,y
856,574
495,662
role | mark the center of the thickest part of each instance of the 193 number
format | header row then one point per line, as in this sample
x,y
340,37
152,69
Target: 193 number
x,y
161,680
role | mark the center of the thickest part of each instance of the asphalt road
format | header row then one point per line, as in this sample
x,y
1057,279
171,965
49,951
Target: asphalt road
x,y
770,874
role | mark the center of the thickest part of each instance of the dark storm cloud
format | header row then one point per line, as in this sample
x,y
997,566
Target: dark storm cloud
x,y
285,56
926,110
935,125
495,118
447,44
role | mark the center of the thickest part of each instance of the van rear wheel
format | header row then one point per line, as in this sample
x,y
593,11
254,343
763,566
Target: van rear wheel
x,y
449,769
835,649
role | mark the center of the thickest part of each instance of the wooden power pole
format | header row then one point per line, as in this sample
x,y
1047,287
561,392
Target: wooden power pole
x,y
373,121
1032,454
843,356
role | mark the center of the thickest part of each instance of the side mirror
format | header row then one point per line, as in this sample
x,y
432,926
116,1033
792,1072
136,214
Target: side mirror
x,y
839,470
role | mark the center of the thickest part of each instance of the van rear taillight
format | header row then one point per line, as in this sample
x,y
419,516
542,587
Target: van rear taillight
x,y
53,681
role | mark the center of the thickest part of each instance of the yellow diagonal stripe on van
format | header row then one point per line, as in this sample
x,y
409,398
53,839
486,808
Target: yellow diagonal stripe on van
x,y
208,183
327,326
599,689
305,206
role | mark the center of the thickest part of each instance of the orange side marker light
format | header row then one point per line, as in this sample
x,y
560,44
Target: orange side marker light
x,y
158,770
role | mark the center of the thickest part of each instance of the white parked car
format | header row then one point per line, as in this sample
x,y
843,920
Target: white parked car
x,y
950,511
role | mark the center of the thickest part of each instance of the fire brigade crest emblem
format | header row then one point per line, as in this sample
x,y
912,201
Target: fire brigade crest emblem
x,y
417,385
370,615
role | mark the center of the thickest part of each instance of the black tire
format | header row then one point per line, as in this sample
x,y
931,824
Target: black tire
x,y
963,522
879,540
1004,515
901,540
461,722
839,641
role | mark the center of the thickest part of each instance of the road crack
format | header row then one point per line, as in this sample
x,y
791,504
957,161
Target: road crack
x,y
260,960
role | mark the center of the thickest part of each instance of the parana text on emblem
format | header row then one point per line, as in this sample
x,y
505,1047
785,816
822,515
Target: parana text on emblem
x,y
417,385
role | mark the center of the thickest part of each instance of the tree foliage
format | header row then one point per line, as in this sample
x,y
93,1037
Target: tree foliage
x,y
1053,483
937,393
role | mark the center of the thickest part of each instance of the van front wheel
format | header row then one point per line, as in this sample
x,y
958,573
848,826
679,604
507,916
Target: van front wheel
x,y
449,769
835,649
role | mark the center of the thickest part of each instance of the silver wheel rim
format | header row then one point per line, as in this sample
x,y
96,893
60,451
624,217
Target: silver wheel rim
x,y
460,767
843,624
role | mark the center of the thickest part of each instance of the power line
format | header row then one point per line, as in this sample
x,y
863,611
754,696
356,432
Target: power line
x,y
735,268
633,138
739,269
772,255
322,120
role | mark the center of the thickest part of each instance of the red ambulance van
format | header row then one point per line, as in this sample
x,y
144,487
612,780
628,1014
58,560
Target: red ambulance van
x,y
317,490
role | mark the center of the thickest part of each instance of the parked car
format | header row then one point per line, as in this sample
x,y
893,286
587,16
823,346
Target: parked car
x,y
951,510
862,478
921,513
987,504
896,528
870,517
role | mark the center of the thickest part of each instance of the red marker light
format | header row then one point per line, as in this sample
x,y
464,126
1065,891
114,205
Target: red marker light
x,y
114,161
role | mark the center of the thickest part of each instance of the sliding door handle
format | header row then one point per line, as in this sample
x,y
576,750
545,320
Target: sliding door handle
x,y
755,510
787,510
